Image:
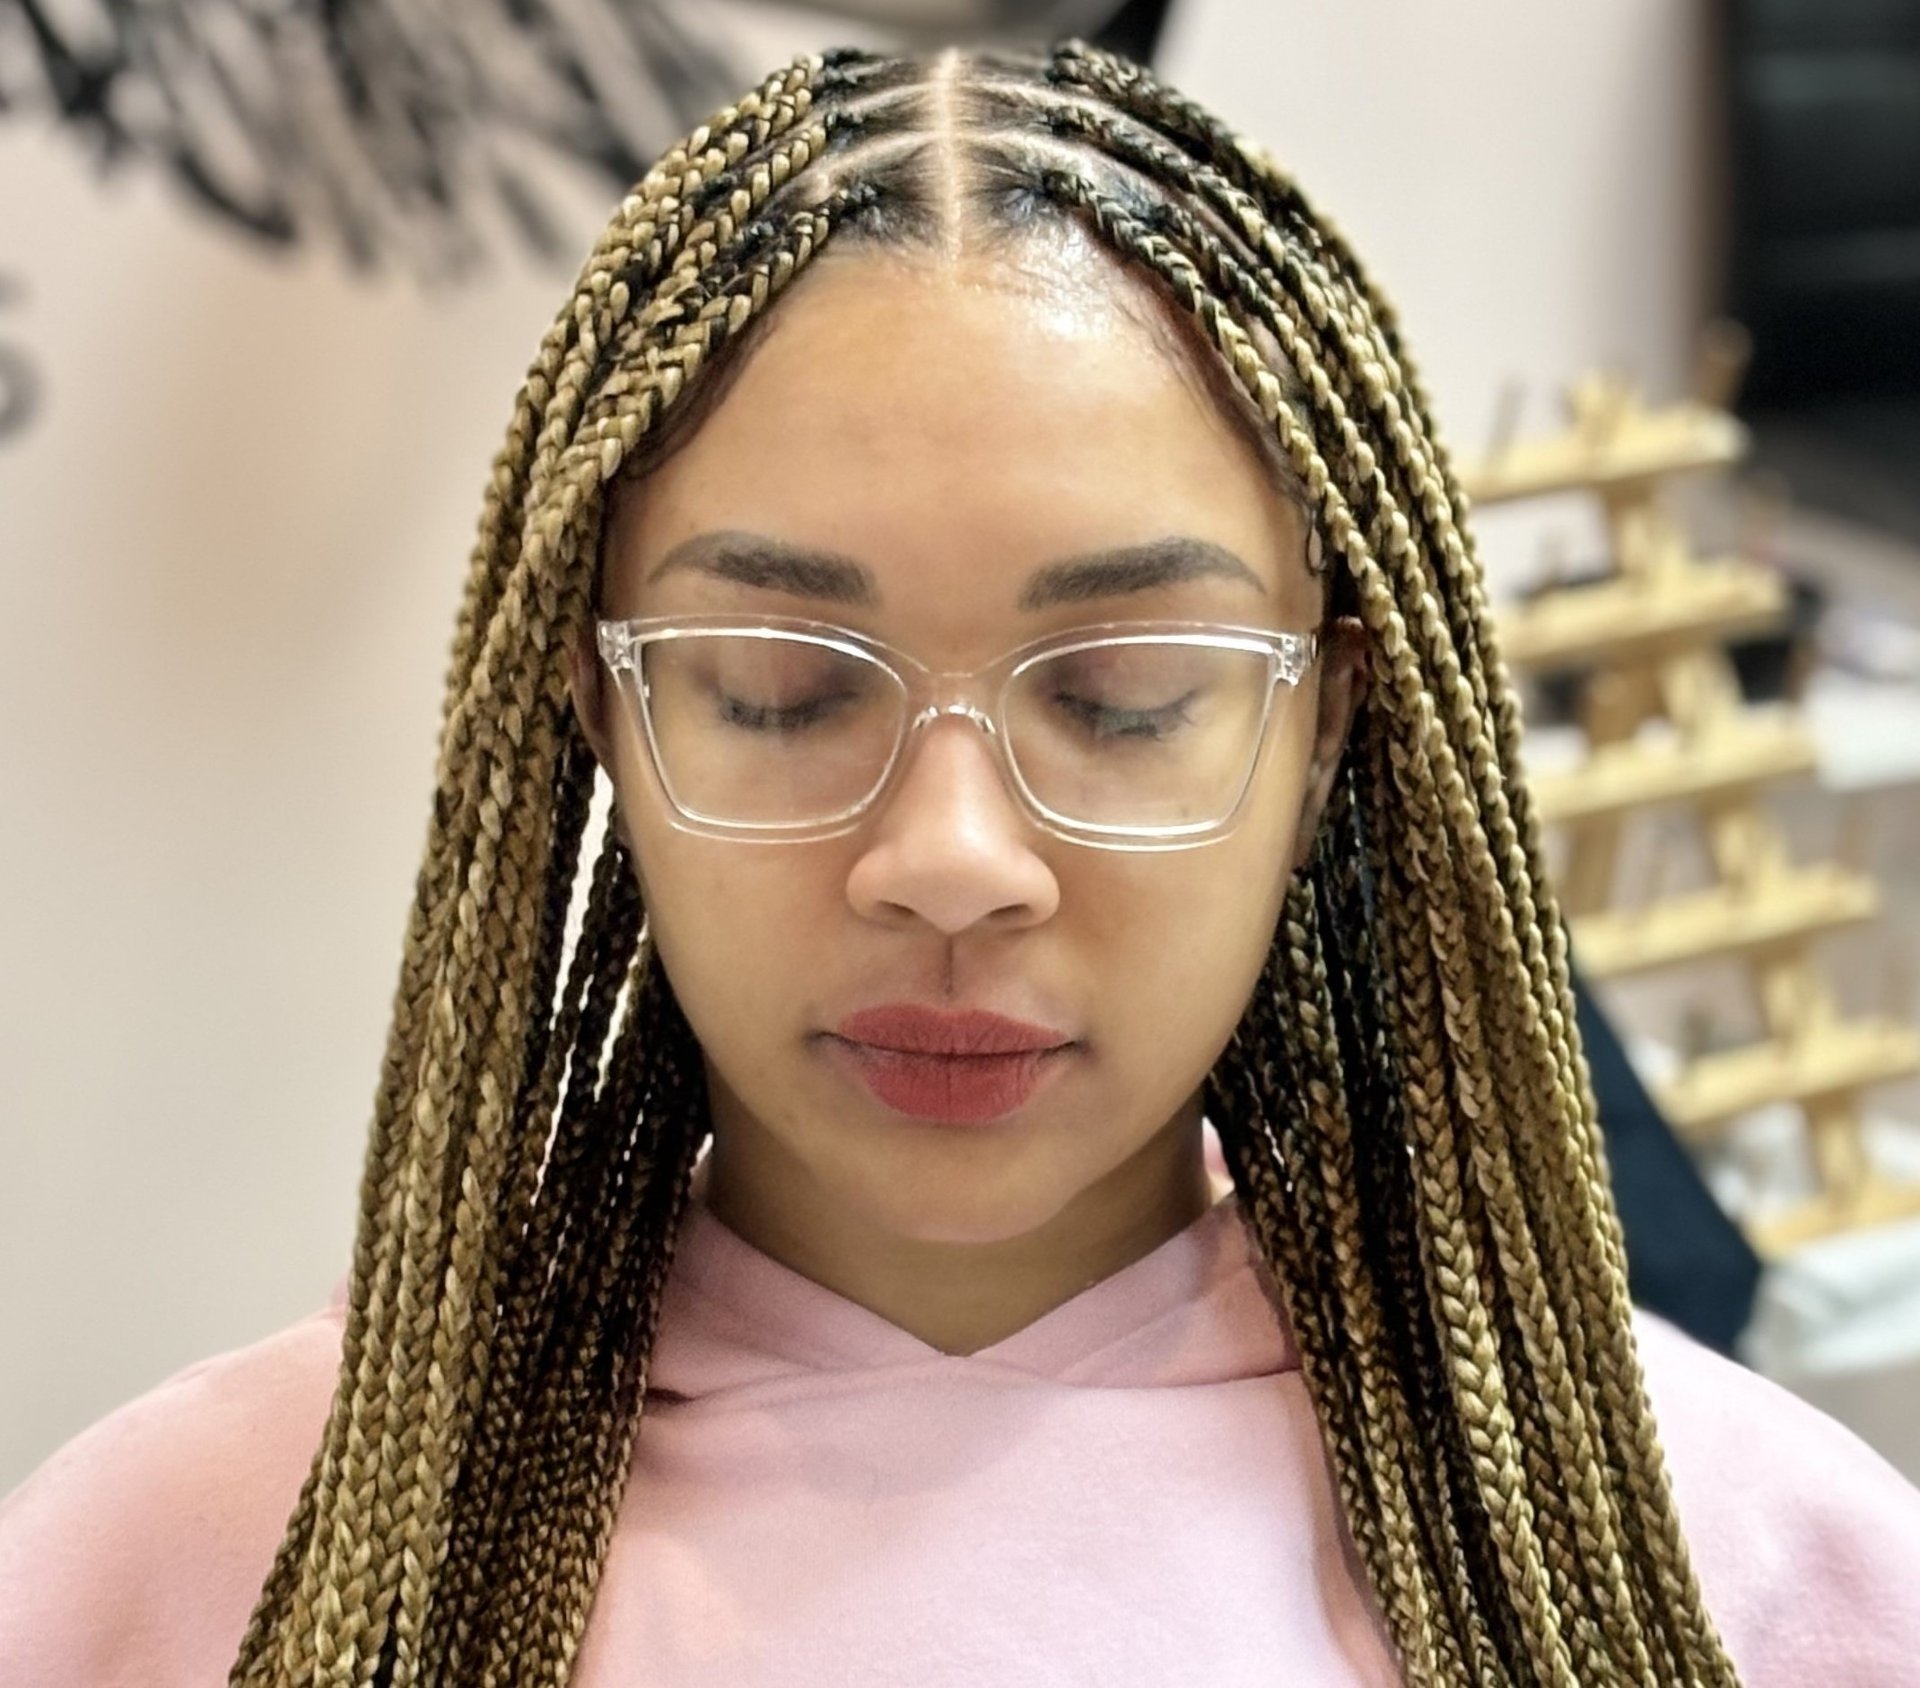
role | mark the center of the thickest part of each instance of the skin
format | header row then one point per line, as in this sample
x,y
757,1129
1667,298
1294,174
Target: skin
x,y
977,424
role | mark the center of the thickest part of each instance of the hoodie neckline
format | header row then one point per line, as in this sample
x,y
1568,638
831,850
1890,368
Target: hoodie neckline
x,y
1197,1309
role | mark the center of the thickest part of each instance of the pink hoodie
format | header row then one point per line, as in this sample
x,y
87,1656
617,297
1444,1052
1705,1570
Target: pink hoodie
x,y
1129,1491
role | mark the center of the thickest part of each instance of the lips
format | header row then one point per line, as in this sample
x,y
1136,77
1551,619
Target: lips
x,y
912,1030
954,1067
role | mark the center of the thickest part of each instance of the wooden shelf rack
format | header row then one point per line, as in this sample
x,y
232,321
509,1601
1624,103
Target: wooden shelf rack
x,y
1665,727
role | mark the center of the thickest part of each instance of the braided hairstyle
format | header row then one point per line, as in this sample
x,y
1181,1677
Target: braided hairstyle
x,y
1404,1105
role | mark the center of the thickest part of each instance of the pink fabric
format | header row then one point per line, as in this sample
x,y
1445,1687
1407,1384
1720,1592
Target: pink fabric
x,y
1129,1491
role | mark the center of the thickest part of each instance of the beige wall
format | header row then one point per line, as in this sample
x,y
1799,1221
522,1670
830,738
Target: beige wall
x,y
1524,182
229,559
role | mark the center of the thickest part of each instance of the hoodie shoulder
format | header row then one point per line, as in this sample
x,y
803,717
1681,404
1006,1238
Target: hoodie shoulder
x,y
1806,1542
133,1556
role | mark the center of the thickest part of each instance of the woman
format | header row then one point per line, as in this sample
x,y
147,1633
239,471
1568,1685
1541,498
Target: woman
x,y
989,531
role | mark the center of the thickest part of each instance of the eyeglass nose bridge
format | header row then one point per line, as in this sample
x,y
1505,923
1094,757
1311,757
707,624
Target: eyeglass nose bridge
x,y
951,694
938,697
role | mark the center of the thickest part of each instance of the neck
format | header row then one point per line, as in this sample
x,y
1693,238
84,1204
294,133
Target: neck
x,y
960,1297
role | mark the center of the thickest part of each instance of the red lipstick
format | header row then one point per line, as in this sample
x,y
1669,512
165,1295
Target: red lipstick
x,y
959,1067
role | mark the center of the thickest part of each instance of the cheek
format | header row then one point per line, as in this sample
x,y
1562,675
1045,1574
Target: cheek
x,y
1232,893
734,925
1219,960
705,899
1180,940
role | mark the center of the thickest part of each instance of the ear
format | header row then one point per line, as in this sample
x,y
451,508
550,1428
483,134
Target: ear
x,y
591,686
1342,669
593,706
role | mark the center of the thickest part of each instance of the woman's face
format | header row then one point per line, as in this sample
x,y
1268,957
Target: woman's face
x,y
949,429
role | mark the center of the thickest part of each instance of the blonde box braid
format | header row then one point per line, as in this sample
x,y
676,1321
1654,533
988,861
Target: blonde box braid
x,y
1404,1105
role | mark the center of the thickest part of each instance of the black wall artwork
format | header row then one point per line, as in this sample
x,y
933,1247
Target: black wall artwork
x,y
422,135
19,381
410,134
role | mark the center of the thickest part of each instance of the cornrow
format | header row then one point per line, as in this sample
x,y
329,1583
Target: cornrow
x,y
1404,1106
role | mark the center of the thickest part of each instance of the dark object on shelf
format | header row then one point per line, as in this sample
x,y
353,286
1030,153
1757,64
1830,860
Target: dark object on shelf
x,y
1772,667
1686,1260
1775,667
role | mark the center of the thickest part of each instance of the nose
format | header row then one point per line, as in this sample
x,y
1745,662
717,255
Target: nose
x,y
950,844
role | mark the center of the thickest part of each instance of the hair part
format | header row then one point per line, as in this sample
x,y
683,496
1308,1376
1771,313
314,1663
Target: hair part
x,y
1404,1104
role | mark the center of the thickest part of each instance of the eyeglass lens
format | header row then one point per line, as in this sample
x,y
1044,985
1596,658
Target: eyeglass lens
x,y
778,731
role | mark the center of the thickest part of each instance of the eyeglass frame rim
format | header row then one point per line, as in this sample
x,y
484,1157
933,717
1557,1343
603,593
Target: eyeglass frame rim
x,y
1291,655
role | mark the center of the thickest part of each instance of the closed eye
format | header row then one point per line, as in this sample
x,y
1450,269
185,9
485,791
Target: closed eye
x,y
779,717
1105,721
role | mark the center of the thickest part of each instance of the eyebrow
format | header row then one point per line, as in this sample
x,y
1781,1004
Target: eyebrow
x,y
749,559
1134,568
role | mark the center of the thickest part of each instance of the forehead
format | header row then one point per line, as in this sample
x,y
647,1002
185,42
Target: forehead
x,y
952,424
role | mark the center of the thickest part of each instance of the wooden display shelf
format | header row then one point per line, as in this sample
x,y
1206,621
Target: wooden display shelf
x,y
1632,619
1643,446
1664,725
1634,775
1878,1201
1725,921
1826,1062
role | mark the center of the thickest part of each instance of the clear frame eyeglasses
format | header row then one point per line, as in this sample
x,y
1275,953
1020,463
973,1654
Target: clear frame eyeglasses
x,y
1132,735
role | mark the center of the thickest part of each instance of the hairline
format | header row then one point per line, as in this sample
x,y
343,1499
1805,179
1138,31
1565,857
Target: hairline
x,y
1194,360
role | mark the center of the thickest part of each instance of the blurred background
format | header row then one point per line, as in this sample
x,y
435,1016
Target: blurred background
x,y
267,288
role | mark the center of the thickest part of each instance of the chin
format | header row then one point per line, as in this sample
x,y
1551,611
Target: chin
x,y
958,1208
